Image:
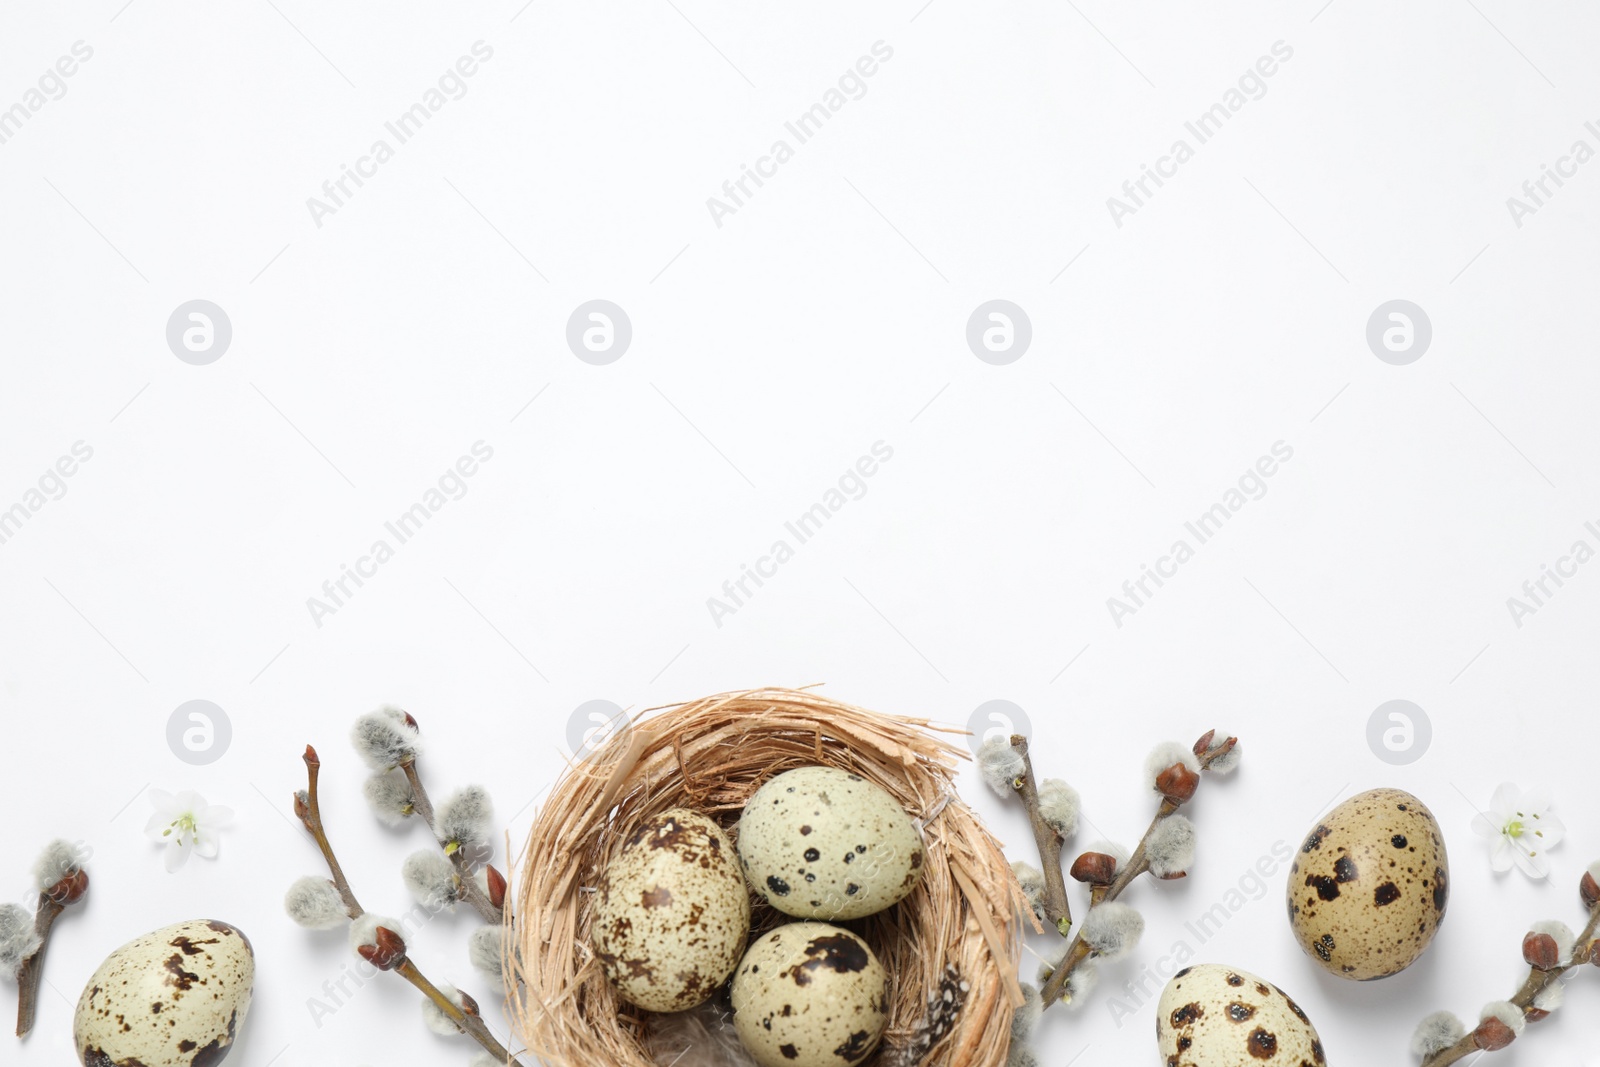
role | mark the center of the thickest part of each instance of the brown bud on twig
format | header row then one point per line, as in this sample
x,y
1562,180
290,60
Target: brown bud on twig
x,y
1493,1035
1589,889
302,808
388,952
1534,1015
468,1005
1202,746
1177,783
70,889
311,757
1172,876
497,886
1541,951
1095,868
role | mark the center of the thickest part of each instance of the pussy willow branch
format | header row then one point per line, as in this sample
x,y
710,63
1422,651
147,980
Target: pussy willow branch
x,y
1537,982
1078,950
1057,909
458,858
32,968
310,814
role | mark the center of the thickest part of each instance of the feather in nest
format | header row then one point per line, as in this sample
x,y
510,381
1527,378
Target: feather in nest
x,y
700,1037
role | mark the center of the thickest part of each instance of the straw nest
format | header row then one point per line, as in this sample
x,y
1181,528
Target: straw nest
x,y
711,755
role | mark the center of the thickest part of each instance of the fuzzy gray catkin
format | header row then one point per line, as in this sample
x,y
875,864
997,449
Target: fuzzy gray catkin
x,y
384,739
18,939
315,904
58,860
466,816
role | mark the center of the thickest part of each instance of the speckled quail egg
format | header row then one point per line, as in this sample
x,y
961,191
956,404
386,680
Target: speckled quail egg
x,y
1368,889
810,995
672,914
176,997
1212,1016
822,843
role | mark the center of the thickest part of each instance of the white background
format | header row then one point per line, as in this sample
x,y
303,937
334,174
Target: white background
x,y
768,354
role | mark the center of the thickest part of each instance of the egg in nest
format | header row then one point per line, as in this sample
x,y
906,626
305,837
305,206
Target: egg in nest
x,y
1368,888
672,913
810,995
823,843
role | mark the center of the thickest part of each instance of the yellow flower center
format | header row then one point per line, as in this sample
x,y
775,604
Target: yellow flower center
x,y
184,824
1514,828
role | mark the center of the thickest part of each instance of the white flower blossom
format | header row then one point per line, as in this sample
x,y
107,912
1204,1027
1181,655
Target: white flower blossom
x,y
1520,829
185,824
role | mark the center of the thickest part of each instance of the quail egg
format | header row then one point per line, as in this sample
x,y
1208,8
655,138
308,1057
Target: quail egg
x,y
1368,889
175,997
810,995
672,914
1211,1016
823,843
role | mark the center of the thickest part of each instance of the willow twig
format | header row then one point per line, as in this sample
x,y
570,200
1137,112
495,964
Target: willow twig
x,y
1537,982
1057,908
32,969
1078,950
306,806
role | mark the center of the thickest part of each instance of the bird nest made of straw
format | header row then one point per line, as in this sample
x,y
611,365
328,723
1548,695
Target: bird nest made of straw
x,y
710,755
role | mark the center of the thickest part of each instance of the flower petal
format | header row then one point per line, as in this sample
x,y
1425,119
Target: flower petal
x,y
1532,864
177,855
1501,854
205,845
1548,833
1507,798
1484,827
1534,802
156,828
